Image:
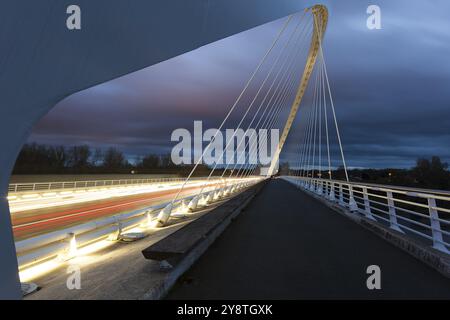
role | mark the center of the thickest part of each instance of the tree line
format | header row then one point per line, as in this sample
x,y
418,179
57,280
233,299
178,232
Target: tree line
x,y
37,158
429,173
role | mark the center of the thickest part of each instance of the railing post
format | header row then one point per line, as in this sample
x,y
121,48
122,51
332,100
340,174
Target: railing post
x,y
392,212
312,185
327,189
332,196
351,200
367,210
341,195
319,187
436,226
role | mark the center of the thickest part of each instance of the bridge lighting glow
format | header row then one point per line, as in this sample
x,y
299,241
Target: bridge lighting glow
x,y
164,215
184,207
193,203
153,224
39,270
94,247
203,200
30,196
73,250
148,221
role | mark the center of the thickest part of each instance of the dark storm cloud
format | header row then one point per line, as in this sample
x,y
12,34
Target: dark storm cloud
x,y
390,88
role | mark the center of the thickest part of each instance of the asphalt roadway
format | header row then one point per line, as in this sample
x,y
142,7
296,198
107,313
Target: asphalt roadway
x,y
288,245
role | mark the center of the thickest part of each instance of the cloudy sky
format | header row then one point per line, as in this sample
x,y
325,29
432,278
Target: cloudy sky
x,y
390,87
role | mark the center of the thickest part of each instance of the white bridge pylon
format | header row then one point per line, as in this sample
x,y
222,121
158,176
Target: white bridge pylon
x,y
320,20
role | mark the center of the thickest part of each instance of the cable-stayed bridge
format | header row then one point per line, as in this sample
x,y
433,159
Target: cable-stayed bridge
x,y
301,219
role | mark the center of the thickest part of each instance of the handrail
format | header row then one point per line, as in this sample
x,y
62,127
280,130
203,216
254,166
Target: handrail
x,y
394,187
66,185
418,213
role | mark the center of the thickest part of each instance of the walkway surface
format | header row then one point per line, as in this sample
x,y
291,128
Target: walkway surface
x,y
288,245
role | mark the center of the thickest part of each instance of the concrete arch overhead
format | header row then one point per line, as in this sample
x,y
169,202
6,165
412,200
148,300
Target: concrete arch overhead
x,y
42,62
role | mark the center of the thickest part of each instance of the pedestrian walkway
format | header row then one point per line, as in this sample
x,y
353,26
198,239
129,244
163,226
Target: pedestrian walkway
x,y
288,245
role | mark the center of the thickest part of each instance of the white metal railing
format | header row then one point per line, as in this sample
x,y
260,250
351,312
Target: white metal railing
x,y
71,185
419,213
46,246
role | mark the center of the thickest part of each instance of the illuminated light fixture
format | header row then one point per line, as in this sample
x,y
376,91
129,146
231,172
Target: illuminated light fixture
x,y
209,197
164,215
9,198
193,203
148,221
184,207
71,250
203,200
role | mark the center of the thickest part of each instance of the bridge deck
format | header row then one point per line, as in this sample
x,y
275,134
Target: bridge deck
x,y
289,245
